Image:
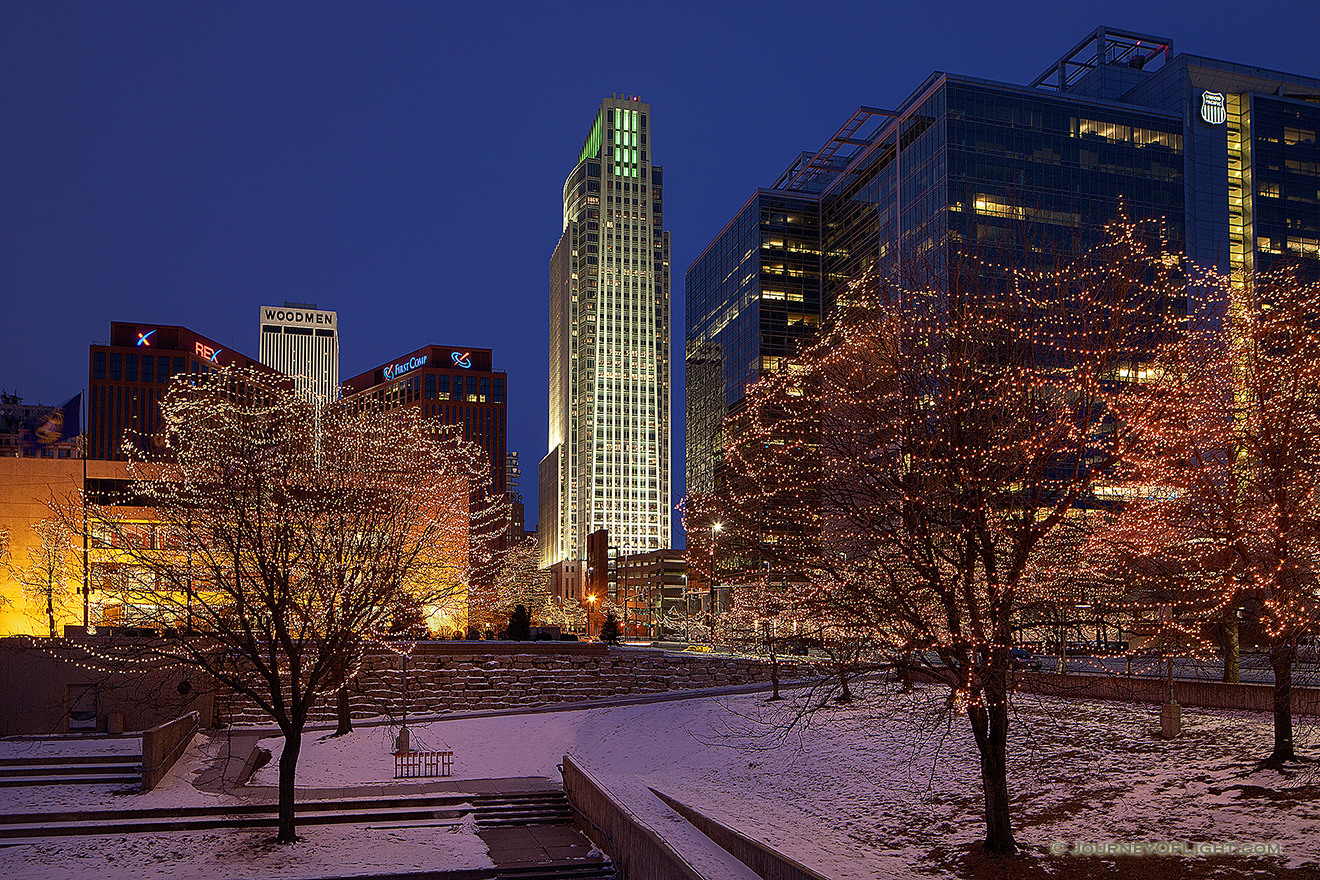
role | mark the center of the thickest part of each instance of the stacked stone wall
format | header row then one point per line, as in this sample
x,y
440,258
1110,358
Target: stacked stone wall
x,y
445,677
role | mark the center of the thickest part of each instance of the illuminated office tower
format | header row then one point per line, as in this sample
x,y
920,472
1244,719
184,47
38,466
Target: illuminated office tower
x,y
608,461
302,341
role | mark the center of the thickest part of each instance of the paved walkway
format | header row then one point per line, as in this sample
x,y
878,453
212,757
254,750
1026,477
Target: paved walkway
x,y
523,846
228,767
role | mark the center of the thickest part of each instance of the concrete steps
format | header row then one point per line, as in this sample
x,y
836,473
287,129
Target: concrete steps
x,y
601,870
529,808
71,770
420,818
428,811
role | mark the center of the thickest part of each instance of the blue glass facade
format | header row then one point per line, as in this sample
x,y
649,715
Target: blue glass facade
x,y
752,296
974,161
1226,156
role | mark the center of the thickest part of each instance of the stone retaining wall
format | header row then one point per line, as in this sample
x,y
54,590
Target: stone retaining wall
x,y
1136,689
461,677
1206,694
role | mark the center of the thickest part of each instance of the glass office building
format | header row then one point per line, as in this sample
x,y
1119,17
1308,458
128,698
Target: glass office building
x,y
1224,155
608,461
752,296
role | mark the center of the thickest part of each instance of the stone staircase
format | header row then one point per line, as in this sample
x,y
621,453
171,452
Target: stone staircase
x,y
602,870
522,808
474,680
71,770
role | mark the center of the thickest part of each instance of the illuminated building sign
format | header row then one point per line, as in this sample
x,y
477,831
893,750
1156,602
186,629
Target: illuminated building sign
x,y
206,351
393,371
462,359
299,316
145,338
1212,108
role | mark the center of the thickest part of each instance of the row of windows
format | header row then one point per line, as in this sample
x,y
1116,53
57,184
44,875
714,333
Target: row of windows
x,y
115,413
478,389
297,331
118,366
483,426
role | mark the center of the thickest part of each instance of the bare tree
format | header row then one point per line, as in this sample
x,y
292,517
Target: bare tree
x,y
913,461
44,577
287,541
1222,508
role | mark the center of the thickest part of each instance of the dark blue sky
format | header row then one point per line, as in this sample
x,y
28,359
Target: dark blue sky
x,y
401,163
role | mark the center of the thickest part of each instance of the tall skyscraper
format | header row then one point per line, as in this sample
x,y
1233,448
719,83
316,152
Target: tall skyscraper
x,y
608,462
302,341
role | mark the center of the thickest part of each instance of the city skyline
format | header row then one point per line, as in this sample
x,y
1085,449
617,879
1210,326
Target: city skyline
x,y
234,160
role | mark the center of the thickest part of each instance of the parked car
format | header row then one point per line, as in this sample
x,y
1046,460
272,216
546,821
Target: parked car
x,y
1022,658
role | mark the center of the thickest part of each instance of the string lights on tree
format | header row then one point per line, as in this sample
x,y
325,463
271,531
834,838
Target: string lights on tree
x,y
914,465
274,544
1220,512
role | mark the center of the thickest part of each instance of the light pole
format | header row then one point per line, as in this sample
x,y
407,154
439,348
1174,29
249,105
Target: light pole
x,y
687,606
591,603
715,530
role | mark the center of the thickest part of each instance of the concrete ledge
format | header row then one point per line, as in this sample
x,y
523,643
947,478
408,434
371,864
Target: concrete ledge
x,y
163,744
1134,689
1205,694
768,863
640,852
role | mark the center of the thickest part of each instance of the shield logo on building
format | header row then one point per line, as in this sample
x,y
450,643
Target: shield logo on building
x,y
1212,108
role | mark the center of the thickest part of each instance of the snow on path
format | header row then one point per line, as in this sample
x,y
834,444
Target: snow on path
x,y
69,746
887,784
221,854
230,854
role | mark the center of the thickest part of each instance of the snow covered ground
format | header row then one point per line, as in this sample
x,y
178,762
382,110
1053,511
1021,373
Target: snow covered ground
x,y
886,787
226,854
889,786
69,746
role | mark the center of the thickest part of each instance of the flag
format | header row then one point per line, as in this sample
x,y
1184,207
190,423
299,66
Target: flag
x,y
60,424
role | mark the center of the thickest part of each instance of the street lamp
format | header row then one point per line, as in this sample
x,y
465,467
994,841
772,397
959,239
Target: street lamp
x,y
591,603
715,530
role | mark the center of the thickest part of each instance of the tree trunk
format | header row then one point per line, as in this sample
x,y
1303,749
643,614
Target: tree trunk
x,y
774,677
845,695
288,764
1281,661
1229,646
990,727
50,611
343,711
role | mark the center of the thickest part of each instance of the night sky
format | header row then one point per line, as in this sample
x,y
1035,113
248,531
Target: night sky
x,y
401,163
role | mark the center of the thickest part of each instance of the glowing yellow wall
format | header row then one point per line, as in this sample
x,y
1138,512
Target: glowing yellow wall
x,y
28,488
